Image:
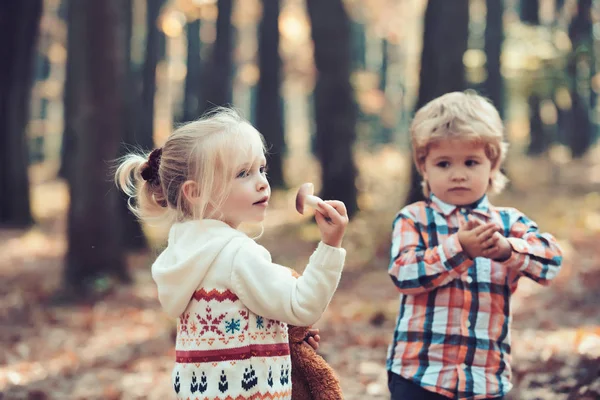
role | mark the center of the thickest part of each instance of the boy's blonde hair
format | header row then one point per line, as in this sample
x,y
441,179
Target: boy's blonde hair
x,y
464,116
206,152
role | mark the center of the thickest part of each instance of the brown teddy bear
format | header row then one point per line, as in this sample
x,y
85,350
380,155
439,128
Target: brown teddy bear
x,y
312,377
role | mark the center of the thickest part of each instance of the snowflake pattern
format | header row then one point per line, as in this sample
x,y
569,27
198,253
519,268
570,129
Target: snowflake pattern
x,y
210,323
232,326
260,323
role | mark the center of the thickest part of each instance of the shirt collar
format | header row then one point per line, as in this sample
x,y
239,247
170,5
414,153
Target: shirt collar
x,y
481,206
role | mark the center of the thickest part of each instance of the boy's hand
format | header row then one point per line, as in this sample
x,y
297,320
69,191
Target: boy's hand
x,y
332,219
475,237
500,250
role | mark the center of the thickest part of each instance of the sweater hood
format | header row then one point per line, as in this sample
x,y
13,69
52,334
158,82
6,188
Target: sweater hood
x,y
192,248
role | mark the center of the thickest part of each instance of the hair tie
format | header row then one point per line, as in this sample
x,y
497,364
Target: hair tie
x,y
150,171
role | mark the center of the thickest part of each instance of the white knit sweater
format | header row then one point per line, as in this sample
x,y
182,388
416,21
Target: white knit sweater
x,y
233,305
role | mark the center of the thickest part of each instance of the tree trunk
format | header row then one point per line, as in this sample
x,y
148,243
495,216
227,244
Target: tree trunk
x,y
74,30
530,11
539,140
383,70
445,39
359,46
386,133
580,32
269,113
144,137
218,78
94,231
335,109
192,89
19,28
494,36
133,236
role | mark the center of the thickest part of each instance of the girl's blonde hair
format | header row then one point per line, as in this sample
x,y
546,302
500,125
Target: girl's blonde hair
x,y
464,116
205,152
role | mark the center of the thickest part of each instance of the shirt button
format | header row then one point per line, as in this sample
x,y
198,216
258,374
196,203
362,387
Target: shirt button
x,y
469,279
463,366
468,324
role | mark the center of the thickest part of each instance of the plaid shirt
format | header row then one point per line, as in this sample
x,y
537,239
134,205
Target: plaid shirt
x,y
452,334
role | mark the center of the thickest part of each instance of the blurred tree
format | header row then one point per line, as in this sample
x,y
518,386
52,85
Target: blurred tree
x,y
133,235
539,138
558,7
386,131
269,113
193,86
19,28
494,36
144,135
96,117
359,45
74,29
580,71
445,36
218,74
335,109
530,11
384,64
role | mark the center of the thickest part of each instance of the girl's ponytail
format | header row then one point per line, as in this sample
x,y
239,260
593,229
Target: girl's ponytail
x,y
137,176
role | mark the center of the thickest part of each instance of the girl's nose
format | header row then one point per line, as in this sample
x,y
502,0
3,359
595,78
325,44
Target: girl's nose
x,y
262,183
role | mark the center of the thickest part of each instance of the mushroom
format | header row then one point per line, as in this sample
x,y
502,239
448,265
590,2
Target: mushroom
x,y
305,197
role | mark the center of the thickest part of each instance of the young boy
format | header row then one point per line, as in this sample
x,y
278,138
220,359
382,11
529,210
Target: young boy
x,y
456,259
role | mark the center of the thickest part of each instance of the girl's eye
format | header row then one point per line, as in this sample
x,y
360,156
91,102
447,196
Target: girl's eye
x,y
264,169
471,163
242,174
443,164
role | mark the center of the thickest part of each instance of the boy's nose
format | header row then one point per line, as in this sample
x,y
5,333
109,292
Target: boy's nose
x,y
458,176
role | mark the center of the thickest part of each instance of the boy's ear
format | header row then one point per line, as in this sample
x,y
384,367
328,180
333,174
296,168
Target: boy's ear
x,y
421,168
495,169
190,191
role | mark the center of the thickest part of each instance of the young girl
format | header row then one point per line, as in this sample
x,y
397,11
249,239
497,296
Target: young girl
x,y
232,302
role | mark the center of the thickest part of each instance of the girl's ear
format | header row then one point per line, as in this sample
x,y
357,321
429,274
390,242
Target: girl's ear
x,y
190,191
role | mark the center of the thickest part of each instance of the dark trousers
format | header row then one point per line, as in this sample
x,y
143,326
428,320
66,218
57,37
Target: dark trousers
x,y
403,389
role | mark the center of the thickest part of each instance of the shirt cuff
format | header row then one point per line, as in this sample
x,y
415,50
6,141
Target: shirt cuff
x,y
520,250
519,245
455,250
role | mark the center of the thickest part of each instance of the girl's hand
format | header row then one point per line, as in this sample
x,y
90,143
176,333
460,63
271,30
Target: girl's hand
x,y
313,338
332,219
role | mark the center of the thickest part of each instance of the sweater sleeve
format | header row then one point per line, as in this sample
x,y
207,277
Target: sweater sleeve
x,y
269,290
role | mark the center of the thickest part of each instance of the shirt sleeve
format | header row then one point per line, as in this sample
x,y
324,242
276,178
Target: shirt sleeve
x,y
416,268
269,290
537,255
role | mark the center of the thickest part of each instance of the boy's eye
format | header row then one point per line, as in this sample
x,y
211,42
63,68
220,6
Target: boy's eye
x,y
443,164
471,163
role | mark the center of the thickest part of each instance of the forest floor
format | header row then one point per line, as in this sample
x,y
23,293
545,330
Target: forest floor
x,y
121,347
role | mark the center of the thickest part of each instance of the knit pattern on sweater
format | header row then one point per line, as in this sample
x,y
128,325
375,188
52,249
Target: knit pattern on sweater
x,y
225,352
